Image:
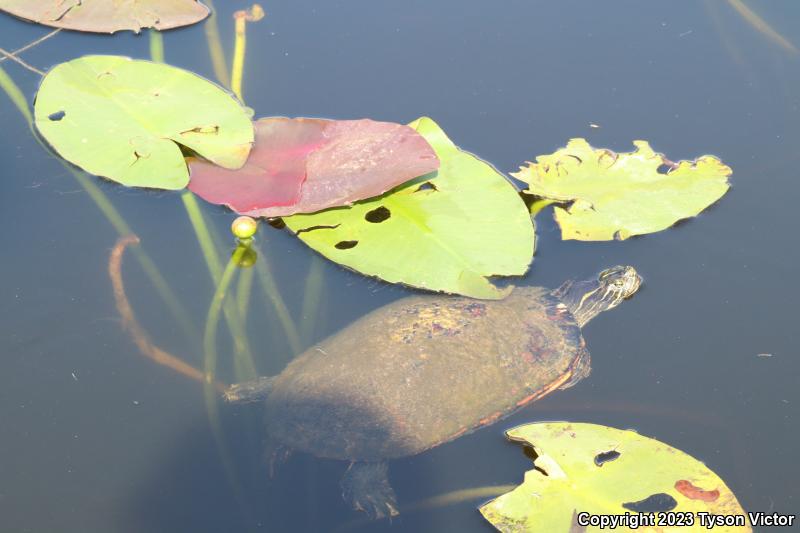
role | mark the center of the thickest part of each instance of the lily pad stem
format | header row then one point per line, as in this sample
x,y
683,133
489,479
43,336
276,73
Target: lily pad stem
x,y
241,18
233,319
156,46
14,58
31,44
212,318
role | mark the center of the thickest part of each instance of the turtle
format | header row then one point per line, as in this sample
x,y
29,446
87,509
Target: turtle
x,y
424,370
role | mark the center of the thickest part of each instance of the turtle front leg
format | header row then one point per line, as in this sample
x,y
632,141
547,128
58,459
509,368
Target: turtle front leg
x,y
275,454
365,486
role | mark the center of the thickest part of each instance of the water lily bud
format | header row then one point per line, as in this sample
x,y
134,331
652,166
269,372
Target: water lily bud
x,y
244,227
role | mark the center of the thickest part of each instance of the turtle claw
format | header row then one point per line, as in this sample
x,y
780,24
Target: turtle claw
x,y
275,455
366,488
375,509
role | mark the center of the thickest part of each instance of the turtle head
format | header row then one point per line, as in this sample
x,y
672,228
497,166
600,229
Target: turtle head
x,y
586,299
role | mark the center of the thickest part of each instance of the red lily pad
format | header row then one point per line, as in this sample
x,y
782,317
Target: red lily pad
x,y
303,165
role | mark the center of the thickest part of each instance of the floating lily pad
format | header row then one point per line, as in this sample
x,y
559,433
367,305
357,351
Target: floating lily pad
x,y
447,231
108,16
606,195
303,165
606,471
123,119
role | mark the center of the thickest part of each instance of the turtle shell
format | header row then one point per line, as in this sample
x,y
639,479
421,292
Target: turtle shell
x,y
422,371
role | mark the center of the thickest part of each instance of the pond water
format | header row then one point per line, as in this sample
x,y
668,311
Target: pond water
x,y
97,438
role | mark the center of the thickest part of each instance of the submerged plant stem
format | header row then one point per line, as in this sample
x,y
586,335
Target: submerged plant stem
x,y
203,235
210,369
243,291
754,20
458,496
218,61
32,44
713,11
156,46
244,366
312,296
233,318
151,270
15,95
442,500
13,57
212,317
273,295
132,326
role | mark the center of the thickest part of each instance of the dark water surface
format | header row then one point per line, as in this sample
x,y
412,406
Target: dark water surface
x,y
93,437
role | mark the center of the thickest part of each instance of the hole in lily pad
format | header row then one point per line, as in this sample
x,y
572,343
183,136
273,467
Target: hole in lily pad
x,y
346,245
315,228
655,503
531,454
378,215
58,115
427,186
276,223
605,457
664,168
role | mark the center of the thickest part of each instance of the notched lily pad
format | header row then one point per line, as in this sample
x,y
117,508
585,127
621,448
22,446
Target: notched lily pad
x,y
123,119
446,231
108,16
303,165
645,475
605,195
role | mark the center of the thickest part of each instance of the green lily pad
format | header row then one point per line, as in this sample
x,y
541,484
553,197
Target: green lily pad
x,y
606,195
588,468
123,119
446,231
108,16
